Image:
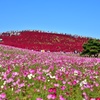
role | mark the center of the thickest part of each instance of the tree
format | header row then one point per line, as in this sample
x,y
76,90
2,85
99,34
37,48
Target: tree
x,y
92,47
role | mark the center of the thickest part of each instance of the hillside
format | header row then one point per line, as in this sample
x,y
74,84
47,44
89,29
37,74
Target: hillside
x,y
39,40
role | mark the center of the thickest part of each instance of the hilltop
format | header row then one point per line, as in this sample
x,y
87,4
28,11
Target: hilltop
x,y
40,40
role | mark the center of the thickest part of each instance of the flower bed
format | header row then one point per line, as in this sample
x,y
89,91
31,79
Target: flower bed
x,y
32,75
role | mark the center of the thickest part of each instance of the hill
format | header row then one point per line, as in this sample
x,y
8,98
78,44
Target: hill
x,y
40,40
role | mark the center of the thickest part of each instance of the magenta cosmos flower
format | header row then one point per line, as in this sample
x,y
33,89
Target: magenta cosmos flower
x,y
52,90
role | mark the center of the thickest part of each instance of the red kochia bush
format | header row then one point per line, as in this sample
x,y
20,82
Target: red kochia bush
x,y
38,40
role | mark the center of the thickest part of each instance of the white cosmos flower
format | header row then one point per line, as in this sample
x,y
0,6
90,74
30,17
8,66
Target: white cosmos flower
x,y
12,89
96,76
30,76
83,83
4,83
2,87
52,77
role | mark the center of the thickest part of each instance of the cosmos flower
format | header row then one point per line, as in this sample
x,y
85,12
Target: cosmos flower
x,y
2,95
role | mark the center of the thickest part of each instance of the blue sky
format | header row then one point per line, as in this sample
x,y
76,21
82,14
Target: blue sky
x,y
81,17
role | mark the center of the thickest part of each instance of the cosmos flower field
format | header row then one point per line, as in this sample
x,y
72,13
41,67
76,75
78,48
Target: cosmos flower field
x,y
32,75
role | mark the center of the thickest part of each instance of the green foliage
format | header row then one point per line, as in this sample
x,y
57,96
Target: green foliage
x,y
92,47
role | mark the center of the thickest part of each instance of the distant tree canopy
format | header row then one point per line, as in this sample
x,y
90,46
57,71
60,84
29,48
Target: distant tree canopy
x,y
91,48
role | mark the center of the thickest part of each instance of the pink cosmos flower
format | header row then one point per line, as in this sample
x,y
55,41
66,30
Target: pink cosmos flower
x,y
14,74
69,83
84,94
31,71
17,91
63,87
2,95
61,98
49,96
96,84
4,76
9,80
64,82
39,99
21,85
52,96
56,85
44,88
